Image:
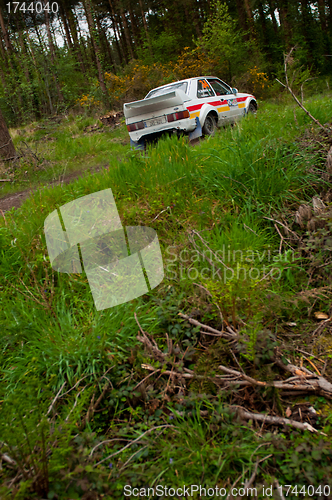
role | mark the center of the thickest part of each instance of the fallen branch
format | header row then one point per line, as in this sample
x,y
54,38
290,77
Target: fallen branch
x,y
287,86
319,384
308,381
212,331
278,420
189,374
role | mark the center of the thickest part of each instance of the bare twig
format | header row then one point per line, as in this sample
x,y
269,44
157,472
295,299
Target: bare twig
x,y
65,393
321,326
145,378
133,442
10,140
212,331
309,381
209,293
281,237
287,86
279,489
278,420
107,441
283,225
309,354
249,483
307,80
247,227
132,456
56,397
75,403
156,217
207,246
242,375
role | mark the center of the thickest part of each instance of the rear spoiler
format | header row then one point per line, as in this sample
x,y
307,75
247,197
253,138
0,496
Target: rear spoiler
x,y
173,98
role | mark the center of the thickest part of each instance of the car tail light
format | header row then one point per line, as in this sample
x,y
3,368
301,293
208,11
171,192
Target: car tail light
x,y
181,115
135,126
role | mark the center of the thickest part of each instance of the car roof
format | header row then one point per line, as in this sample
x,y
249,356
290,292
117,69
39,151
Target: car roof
x,y
184,80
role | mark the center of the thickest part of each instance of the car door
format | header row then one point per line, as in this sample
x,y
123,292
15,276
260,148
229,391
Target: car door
x,y
207,95
228,109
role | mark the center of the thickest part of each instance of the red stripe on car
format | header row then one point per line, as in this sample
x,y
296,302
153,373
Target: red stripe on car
x,y
194,108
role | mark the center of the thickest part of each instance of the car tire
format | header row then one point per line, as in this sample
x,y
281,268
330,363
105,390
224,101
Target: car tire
x,y
252,108
210,125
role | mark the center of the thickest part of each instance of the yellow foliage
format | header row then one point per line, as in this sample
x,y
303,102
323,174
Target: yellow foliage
x,y
87,100
139,78
258,80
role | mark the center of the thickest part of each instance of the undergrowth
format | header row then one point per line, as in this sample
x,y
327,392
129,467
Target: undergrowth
x,y
74,386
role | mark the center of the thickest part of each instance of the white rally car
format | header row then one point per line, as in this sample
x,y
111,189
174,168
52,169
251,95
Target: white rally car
x,y
195,106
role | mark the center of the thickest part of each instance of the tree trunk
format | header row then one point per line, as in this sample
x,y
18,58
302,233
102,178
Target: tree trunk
x,y
105,44
73,31
283,16
322,15
117,35
133,23
127,32
5,33
23,49
145,24
272,14
250,18
306,22
2,78
242,17
66,27
49,36
52,52
123,42
329,3
87,8
7,149
196,19
263,24
3,53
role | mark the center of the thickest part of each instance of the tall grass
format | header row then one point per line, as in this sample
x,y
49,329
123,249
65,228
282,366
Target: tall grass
x,y
223,188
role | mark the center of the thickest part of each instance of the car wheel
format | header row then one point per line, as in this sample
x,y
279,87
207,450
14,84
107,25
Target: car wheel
x,y
210,125
252,108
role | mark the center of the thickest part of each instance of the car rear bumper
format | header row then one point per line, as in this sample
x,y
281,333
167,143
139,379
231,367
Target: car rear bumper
x,y
186,125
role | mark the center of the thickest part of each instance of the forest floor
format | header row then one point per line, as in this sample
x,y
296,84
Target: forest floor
x,y
57,151
15,199
222,374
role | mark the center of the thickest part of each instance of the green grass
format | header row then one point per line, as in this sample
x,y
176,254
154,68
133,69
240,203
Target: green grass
x,y
52,150
53,335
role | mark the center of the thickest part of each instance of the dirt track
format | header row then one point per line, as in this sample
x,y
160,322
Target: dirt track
x,y
15,200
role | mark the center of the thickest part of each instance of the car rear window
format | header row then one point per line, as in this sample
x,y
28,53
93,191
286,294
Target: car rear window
x,y
163,90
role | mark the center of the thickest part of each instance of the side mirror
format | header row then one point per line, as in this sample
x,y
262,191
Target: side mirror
x,y
234,90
